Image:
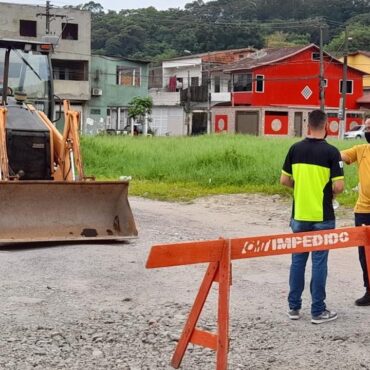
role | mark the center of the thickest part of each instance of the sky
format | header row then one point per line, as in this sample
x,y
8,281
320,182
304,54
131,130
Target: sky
x,y
112,4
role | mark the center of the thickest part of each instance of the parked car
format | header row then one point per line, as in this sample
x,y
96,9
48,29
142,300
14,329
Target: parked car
x,y
138,129
356,132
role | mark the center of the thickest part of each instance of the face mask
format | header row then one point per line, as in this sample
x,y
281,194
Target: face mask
x,y
367,136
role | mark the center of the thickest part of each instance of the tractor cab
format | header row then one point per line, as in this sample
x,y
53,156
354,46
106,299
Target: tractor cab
x,y
25,74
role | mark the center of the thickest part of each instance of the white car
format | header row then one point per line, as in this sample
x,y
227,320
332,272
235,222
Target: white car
x,y
356,132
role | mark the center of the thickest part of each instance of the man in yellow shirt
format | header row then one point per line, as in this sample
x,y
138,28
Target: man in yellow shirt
x,y
360,154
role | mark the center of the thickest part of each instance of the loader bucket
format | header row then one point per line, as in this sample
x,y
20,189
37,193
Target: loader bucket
x,y
33,211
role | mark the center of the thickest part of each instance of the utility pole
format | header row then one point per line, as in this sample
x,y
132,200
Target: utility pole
x,y
209,96
322,78
342,103
188,99
49,17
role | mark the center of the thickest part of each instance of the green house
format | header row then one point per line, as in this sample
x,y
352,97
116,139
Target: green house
x,y
114,82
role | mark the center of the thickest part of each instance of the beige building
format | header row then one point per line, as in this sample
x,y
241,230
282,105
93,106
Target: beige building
x,y
361,60
70,29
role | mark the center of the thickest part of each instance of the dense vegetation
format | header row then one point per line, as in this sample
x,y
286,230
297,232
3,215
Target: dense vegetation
x,y
188,167
225,24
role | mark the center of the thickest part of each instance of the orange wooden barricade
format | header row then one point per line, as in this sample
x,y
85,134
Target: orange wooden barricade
x,y
219,254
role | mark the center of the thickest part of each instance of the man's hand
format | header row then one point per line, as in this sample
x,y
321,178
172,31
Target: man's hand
x,y
345,158
338,186
286,180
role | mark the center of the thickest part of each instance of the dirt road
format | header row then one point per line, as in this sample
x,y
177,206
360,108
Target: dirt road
x,y
95,306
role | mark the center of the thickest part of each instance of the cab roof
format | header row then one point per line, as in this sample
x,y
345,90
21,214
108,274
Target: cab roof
x,y
26,45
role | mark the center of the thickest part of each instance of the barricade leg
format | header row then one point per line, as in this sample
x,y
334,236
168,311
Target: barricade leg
x,y
217,272
194,314
223,307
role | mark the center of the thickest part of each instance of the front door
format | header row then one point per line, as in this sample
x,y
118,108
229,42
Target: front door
x,y
199,123
298,124
247,123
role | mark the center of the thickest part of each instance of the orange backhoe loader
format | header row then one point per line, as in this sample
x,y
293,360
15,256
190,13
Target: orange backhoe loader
x,y
44,194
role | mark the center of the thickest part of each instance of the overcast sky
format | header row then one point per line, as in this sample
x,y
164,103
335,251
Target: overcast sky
x,y
112,4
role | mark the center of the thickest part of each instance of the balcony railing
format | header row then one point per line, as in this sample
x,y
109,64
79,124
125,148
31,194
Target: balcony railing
x,y
197,94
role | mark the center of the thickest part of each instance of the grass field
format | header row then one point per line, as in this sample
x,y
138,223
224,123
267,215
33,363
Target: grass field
x,y
183,168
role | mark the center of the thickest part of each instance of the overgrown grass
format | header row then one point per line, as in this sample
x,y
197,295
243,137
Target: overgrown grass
x,y
183,168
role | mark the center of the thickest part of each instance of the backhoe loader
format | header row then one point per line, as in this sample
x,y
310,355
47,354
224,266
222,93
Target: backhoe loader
x,y
44,194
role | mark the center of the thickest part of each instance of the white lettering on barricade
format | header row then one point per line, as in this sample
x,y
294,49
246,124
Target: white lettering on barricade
x,y
306,241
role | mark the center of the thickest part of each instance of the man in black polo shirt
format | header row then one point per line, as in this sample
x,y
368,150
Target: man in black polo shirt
x,y
313,168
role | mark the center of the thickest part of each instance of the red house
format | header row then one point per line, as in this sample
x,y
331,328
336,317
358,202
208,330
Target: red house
x,y
274,89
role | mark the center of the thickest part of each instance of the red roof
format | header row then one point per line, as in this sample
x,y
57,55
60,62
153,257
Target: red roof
x,y
263,57
218,56
272,55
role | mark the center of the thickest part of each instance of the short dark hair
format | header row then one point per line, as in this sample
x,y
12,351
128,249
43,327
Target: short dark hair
x,y
317,119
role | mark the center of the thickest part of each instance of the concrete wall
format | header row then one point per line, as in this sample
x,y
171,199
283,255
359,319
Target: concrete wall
x,y
168,121
229,114
162,97
221,97
78,92
79,49
72,90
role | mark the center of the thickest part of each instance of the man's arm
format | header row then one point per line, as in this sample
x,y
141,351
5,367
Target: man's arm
x,y
345,158
286,180
338,186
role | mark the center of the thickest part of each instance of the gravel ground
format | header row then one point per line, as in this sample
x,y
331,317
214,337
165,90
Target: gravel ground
x,y
95,306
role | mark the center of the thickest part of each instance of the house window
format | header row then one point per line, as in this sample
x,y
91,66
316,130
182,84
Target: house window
x,y
194,81
75,70
95,111
276,113
349,86
128,76
242,82
260,83
325,82
217,84
27,28
315,56
69,31
354,115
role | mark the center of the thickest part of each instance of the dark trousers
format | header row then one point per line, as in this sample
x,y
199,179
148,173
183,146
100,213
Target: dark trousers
x,y
363,219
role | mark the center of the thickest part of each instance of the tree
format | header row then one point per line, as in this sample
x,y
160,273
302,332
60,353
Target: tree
x,y
92,6
139,109
281,39
360,39
204,26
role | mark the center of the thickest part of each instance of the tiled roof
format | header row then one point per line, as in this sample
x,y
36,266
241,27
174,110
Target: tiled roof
x,y
367,53
220,56
266,56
